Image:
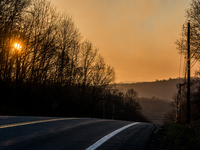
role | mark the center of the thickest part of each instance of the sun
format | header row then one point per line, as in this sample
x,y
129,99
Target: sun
x,y
17,46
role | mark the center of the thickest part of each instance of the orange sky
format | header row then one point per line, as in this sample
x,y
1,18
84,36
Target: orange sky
x,y
136,37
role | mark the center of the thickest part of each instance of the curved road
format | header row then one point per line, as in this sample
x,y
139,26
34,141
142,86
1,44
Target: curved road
x,y
51,133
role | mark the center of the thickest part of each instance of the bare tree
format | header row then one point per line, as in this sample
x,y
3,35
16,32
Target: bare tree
x,y
11,16
40,28
101,80
67,49
192,15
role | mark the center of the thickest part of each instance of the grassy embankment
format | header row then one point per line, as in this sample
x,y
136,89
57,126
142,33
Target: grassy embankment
x,y
180,137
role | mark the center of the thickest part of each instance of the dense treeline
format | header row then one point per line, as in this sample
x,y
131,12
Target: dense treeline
x,y
44,60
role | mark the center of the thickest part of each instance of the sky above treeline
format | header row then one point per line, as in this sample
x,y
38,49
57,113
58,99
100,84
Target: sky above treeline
x,y
136,37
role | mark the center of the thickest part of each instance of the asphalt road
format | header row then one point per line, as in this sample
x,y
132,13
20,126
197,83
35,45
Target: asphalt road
x,y
45,133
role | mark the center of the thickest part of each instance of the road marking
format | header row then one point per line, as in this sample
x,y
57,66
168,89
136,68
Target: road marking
x,y
107,137
32,122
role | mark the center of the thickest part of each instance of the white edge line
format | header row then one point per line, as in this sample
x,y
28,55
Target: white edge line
x,y
107,137
31,122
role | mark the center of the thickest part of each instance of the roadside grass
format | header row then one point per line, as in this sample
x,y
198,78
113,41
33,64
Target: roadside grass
x,y
180,137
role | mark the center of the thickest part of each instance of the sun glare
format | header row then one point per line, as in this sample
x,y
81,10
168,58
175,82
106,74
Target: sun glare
x,y
18,46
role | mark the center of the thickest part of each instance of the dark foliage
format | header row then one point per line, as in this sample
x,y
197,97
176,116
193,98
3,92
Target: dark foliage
x,y
194,104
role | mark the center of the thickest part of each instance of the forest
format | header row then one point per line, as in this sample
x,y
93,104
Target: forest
x,y
48,69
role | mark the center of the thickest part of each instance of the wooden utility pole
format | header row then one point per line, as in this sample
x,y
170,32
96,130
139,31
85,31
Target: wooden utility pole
x,y
188,80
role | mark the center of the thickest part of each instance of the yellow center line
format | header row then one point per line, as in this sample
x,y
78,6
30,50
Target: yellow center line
x,y
32,122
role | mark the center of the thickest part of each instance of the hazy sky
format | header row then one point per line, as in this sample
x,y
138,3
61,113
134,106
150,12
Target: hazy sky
x,y
136,37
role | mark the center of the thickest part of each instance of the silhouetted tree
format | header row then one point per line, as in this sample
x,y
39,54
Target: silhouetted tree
x,y
192,15
195,105
67,50
41,34
126,106
11,16
101,80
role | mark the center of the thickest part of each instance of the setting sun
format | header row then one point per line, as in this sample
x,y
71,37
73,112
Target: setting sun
x,y
18,46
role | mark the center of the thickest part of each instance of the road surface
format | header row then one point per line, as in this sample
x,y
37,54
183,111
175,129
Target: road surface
x,y
51,133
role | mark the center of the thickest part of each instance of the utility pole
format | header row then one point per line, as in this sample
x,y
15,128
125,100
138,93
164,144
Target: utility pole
x,y
188,80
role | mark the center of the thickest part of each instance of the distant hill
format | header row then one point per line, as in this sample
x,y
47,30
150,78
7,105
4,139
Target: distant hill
x,y
163,89
155,109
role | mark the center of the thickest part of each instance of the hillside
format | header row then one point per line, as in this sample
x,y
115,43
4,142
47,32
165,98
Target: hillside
x,y
154,97
154,109
163,89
